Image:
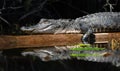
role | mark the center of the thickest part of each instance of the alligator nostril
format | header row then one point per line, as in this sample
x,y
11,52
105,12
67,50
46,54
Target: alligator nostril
x,y
22,28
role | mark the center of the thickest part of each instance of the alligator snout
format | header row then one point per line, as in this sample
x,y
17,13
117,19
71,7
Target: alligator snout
x,y
26,29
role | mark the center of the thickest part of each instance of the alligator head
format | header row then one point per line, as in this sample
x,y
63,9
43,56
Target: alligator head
x,y
53,26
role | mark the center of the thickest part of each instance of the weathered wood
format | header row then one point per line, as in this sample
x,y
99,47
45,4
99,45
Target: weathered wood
x,y
27,41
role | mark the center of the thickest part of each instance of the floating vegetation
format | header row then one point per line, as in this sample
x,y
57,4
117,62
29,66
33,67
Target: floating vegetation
x,y
85,47
82,50
84,55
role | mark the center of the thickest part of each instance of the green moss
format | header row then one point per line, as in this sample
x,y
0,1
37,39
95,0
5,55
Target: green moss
x,y
85,47
83,55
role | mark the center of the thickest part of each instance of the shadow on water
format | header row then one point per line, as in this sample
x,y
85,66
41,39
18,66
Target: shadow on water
x,y
26,64
66,66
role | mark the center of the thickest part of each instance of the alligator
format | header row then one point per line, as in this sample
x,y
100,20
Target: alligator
x,y
65,53
84,24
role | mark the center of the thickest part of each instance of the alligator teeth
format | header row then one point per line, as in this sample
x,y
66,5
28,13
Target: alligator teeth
x,y
75,31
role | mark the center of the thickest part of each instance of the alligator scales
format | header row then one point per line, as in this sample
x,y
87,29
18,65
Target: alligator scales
x,y
83,24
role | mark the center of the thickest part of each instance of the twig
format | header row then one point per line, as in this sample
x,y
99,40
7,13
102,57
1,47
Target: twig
x,y
4,20
110,5
35,10
75,8
4,4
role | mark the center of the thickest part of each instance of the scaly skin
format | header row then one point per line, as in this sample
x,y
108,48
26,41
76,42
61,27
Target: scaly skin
x,y
84,24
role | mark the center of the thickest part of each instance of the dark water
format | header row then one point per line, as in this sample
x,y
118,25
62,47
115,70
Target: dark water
x,y
26,64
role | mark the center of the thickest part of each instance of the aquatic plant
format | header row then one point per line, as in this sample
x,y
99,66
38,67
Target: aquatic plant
x,y
85,47
80,50
84,55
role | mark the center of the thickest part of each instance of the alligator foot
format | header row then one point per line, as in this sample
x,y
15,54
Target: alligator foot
x,y
91,39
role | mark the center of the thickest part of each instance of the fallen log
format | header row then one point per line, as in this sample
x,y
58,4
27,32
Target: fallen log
x,y
31,41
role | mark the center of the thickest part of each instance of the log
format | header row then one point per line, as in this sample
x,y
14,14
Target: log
x,y
31,41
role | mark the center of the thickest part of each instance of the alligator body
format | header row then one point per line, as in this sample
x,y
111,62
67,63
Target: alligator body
x,y
83,24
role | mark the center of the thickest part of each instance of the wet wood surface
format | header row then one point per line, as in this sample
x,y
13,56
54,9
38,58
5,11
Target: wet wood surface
x,y
31,41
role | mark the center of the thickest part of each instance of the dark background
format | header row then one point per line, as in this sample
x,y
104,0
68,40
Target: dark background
x,y
17,13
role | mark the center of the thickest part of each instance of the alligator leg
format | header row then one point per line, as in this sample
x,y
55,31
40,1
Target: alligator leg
x,y
88,37
91,38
